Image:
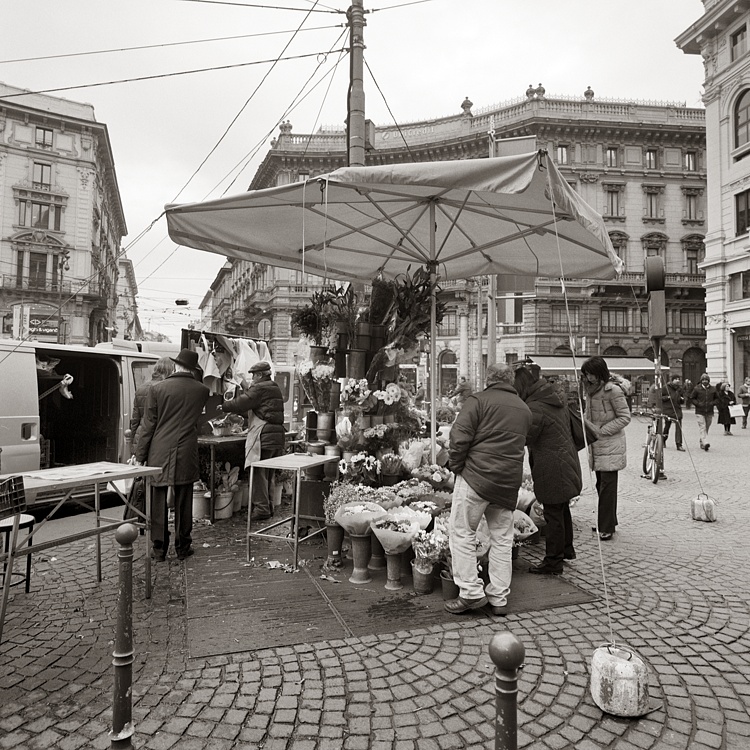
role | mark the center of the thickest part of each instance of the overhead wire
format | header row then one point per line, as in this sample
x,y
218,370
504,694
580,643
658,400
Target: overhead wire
x,y
258,5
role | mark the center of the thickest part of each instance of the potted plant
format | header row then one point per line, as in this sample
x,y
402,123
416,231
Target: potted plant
x,y
390,469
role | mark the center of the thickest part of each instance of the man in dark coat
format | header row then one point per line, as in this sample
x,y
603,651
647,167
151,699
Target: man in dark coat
x,y
263,403
704,397
555,466
169,438
487,443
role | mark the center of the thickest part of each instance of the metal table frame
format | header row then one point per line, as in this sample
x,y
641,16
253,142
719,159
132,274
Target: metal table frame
x,y
212,441
64,482
291,462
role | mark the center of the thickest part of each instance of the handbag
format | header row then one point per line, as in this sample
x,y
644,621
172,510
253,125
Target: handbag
x,y
577,426
736,410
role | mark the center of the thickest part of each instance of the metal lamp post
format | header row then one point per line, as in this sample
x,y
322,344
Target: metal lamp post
x,y
62,266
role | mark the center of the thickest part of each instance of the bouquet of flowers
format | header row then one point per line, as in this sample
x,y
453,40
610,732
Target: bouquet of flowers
x,y
347,435
394,533
438,476
341,492
429,548
362,467
354,392
408,513
523,528
379,437
317,381
356,517
390,463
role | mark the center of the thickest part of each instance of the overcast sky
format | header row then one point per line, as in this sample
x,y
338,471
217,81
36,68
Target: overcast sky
x,y
425,57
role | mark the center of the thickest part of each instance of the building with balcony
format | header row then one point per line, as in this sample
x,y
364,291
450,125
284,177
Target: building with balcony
x,y
61,221
640,164
720,37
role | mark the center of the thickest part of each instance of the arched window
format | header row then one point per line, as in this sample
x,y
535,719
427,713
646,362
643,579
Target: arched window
x,y
742,120
614,351
448,374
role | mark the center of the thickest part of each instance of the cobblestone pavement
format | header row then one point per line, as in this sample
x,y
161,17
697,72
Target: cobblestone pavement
x,y
677,593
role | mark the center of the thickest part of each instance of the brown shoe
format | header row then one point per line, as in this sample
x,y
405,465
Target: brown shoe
x,y
459,606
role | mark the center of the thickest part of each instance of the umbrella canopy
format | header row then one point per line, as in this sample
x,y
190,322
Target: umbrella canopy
x,y
471,218
476,217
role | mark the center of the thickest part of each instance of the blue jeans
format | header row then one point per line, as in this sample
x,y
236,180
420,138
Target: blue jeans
x,y
466,513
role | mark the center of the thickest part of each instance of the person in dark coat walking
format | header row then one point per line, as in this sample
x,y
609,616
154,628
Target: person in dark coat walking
x,y
487,445
555,467
169,438
704,397
724,399
263,403
163,368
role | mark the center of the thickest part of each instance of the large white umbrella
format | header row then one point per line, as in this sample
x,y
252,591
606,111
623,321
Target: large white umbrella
x,y
505,215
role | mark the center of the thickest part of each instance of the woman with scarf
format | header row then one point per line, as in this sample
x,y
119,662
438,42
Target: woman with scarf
x,y
607,408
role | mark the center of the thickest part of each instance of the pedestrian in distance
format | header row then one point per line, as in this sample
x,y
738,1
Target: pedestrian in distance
x,y
461,392
555,467
704,398
670,399
724,399
487,445
744,395
263,404
607,409
169,439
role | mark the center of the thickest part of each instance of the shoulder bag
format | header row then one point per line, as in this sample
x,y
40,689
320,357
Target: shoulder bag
x,y
577,426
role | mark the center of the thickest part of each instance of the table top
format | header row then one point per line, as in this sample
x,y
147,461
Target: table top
x,y
294,461
80,475
219,439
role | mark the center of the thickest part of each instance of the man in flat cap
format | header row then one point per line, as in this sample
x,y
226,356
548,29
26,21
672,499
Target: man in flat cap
x,y
263,403
169,438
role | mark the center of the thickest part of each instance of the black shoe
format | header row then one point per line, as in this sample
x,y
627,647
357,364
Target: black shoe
x,y
606,536
498,610
569,556
259,516
706,447
544,569
158,555
680,448
184,554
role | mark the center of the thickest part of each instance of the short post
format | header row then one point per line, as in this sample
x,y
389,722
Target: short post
x,y
507,653
122,706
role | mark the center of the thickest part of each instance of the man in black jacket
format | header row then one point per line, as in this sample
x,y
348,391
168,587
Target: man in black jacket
x,y
263,403
487,444
671,399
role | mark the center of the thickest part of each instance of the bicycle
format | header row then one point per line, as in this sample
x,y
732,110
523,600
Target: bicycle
x,y
653,451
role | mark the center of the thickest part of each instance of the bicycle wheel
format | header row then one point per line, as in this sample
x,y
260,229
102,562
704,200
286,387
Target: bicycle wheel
x,y
648,457
657,462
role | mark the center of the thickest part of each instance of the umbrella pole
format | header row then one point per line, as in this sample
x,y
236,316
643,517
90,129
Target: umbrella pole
x,y
433,334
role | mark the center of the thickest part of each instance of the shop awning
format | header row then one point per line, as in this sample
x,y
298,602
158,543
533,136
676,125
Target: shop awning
x,y
553,364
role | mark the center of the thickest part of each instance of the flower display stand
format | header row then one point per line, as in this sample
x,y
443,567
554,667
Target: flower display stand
x,y
377,556
361,551
393,572
424,583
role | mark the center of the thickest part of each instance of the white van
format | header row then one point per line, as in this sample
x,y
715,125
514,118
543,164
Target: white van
x,y
41,428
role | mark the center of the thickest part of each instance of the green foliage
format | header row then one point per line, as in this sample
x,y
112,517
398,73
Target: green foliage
x,y
381,300
408,316
306,319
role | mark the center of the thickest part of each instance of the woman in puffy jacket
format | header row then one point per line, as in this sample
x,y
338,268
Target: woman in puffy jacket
x,y
607,408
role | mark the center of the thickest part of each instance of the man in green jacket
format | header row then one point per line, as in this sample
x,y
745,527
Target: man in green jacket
x,y
487,444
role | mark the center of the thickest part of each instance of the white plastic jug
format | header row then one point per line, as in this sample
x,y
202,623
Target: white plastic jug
x,y
619,681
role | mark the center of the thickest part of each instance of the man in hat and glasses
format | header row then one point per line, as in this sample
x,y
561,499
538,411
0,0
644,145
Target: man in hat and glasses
x,y
263,403
169,438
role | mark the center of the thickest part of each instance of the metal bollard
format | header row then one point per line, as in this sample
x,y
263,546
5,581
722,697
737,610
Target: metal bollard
x,y
122,705
507,653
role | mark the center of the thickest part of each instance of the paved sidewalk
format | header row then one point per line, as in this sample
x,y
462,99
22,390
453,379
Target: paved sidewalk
x,y
678,593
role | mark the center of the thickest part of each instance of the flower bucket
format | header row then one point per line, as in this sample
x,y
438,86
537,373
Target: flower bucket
x,y
315,448
393,574
448,585
223,505
318,354
331,470
276,491
356,363
388,480
424,583
334,540
201,507
324,428
244,493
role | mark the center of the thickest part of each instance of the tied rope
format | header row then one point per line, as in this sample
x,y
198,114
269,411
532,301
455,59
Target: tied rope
x,y
571,341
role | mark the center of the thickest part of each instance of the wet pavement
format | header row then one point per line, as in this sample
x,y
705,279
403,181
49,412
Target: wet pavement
x,y
677,592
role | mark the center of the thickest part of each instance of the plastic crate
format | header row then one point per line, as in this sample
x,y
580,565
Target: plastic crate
x,y
12,497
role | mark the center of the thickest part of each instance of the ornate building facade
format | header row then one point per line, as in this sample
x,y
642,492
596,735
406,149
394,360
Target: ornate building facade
x,y
61,221
720,36
640,164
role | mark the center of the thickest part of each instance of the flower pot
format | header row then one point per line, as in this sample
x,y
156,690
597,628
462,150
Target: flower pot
x,y
448,585
201,507
393,572
348,455
331,470
324,428
335,400
318,354
362,336
335,540
376,419
315,448
364,421
361,557
388,480
424,583
223,505
377,556
389,418
356,363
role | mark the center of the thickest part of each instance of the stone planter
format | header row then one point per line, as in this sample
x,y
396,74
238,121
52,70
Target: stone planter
x,y
377,556
393,566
